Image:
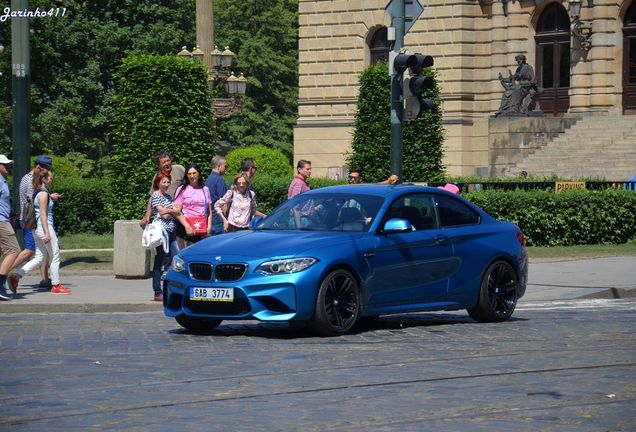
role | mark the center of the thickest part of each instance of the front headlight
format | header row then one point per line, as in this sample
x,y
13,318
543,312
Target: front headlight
x,y
178,264
292,265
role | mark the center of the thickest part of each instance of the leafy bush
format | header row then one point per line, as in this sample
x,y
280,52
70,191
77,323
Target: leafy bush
x,y
62,168
269,162
82,208
371,146
565,219
162,103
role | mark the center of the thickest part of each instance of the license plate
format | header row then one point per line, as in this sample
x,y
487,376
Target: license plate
x,y
212,294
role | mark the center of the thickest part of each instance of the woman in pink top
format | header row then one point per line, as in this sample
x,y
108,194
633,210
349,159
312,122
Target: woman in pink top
x,y
239,204
196,205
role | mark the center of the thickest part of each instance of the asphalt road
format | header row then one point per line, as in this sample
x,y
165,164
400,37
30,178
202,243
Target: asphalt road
x,y
557,366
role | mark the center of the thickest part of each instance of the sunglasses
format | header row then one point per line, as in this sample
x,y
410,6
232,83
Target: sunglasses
x,y
353,178
193,174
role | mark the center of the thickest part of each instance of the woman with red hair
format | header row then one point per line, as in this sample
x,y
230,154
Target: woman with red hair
x,y
163,209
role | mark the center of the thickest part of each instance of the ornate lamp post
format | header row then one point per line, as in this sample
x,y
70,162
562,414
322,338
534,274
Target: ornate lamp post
x,y
221,78
580,29
218,63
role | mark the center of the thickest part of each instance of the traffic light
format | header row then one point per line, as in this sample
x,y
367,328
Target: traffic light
x,y
414,84
403,61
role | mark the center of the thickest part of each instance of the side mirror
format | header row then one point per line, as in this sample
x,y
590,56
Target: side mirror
x,y
255,222
397,226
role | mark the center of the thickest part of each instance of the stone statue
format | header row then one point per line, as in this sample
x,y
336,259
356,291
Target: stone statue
x,y
521,93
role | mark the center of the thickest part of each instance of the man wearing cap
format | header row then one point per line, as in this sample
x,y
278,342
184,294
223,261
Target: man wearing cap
x,y
26,194
9,247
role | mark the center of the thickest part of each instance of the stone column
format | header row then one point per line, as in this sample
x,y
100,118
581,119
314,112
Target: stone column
x,y
205,30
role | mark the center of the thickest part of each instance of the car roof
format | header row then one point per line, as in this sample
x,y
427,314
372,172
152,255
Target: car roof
x,y
375,189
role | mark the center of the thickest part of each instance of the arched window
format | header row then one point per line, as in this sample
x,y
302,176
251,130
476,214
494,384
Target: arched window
x,y
379,46
553,58
629,59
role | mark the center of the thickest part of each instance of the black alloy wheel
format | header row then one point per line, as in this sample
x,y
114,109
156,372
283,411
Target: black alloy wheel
x,y
197,325
337,304
498,294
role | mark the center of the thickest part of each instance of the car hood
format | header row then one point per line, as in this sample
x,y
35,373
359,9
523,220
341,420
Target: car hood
x,y
267,244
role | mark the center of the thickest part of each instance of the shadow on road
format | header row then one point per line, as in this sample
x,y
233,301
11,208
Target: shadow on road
x,y
301,331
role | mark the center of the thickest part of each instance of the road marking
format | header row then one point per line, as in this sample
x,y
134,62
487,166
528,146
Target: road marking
x,y
579,304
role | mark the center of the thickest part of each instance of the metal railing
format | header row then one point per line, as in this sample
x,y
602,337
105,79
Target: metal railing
x,y
543,185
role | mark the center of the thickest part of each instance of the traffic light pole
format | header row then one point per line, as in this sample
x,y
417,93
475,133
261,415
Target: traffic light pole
x,y
397,22
21,88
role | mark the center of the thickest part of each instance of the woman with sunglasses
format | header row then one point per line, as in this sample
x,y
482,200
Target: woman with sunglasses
x,y
238,206
196,206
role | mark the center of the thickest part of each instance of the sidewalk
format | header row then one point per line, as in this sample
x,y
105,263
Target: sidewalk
x,y
613,277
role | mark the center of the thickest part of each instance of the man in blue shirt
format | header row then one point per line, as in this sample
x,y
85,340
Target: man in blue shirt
x,y
216,184
9,247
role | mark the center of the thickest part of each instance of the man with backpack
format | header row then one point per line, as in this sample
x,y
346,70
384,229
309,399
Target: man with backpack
x,y
26,196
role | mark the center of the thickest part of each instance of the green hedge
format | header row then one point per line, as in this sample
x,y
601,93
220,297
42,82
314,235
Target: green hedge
x,y
162,103
546,218
269,162
82,208
565,219
371,144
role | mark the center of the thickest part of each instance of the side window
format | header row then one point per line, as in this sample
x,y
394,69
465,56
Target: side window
x,y
453,212
419,210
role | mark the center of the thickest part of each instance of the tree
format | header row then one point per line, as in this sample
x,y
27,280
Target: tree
x,y
264,34
74,58
162,104
371,146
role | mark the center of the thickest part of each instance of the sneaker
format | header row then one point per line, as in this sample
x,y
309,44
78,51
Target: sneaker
x,y
13,281
59,289
3,294
45,285
158,297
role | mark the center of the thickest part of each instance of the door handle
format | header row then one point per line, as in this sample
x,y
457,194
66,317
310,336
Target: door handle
x,y
369,254
441,239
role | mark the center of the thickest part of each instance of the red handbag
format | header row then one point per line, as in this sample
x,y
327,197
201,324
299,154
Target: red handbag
x,y
198,223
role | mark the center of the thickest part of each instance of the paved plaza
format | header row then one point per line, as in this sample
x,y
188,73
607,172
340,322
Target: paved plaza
x,y
559,365
566,366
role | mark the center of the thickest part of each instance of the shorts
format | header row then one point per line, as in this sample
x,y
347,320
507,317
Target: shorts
x,y
8,242
29,240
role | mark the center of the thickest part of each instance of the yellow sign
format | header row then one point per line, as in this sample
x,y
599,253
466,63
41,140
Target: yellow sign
x,y
566,186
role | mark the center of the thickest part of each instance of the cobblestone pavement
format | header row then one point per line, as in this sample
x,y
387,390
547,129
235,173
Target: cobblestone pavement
x,y
557,366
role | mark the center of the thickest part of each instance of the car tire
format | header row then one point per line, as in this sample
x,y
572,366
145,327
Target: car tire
x,y
337,304
197,325
497,295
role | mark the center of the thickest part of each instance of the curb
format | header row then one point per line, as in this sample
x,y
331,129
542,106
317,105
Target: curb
x,y
611,293
10,307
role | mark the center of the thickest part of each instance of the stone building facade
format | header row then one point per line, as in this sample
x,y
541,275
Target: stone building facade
x,y
472,41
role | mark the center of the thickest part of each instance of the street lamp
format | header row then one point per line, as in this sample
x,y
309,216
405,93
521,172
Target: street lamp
x,y
184,54
218,74
580,29
197,54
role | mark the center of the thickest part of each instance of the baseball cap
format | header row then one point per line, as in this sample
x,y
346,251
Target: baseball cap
x,y
44,161
5,160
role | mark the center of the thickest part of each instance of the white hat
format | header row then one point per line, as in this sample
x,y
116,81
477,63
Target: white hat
x,y
5,160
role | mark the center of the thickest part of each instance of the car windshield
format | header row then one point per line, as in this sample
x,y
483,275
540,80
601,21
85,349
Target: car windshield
x,y
328,212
